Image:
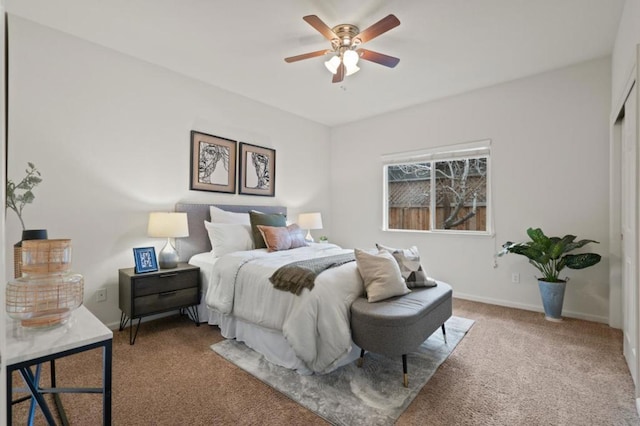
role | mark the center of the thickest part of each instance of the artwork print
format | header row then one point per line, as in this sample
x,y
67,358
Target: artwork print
x,y
257,170
213,163
145,260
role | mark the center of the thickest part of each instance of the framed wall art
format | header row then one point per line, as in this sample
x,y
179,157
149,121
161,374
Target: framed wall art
x,y
257,170
213,163
145,258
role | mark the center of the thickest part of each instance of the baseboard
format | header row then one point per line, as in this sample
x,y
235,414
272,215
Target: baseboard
x,y
638,405
528,307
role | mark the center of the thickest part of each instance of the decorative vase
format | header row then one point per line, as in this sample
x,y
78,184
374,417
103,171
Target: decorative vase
x,y
47,292
552,295
27,234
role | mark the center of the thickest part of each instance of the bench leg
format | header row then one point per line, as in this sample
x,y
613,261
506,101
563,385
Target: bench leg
x,y
444,333
361,359
405,377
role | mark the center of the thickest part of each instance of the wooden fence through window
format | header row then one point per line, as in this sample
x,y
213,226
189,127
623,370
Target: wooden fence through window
x,y
418,218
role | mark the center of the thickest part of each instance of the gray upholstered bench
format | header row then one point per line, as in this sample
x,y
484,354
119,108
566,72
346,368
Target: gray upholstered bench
x,y
401,324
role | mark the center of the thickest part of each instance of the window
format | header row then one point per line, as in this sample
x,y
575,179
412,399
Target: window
x,y
444,190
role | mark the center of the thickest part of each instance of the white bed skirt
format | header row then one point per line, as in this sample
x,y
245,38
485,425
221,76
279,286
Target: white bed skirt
x,y
270,343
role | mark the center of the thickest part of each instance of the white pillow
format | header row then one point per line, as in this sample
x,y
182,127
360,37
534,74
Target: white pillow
x,y
381,275
222,216
228,237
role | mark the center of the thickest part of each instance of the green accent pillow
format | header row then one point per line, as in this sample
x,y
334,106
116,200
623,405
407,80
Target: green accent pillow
x,y
257,218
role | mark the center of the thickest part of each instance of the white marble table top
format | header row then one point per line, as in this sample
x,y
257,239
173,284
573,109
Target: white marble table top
x,y
82,328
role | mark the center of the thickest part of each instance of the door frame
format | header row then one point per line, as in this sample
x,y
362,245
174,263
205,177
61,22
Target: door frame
x,y
615,226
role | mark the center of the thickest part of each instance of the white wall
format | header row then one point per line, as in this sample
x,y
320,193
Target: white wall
x,y
623,57
549,169
110,135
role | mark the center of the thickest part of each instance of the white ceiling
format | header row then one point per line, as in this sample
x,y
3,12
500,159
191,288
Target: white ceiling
x,y
445,46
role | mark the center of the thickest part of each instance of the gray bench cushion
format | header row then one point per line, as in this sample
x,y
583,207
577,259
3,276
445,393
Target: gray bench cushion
x,y
399,325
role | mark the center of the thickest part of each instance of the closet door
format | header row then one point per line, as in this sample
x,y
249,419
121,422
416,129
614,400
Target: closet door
x,y
629,222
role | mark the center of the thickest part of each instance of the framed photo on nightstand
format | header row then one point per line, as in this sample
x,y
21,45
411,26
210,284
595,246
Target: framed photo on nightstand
x,y
145,258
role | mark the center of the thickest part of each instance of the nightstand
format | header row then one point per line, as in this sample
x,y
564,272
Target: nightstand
x,y
152,293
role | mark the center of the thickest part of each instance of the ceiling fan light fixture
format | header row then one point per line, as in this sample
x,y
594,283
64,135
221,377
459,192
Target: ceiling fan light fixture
x,y
351,69
332,64
350,58
346,40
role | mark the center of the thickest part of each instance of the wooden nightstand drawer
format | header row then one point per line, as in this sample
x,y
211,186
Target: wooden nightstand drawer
x,y
165,301
164,282
156,292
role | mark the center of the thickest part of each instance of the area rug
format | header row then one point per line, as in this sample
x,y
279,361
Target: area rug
x,y
371,395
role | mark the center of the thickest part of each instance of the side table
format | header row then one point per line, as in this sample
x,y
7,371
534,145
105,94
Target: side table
x,y
27,348
152,293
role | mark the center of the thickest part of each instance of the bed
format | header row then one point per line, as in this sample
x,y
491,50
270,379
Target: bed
x,y
308,332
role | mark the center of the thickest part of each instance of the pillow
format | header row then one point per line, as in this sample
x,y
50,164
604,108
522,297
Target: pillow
x,y
222,216
410,267
297,236
282,238
257,218
228,237
381,275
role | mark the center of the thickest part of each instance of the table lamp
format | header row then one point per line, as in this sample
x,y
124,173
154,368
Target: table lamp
x,y
309,221
168,225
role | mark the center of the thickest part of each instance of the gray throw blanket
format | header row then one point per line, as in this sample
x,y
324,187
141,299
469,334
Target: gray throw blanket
x,y
302,274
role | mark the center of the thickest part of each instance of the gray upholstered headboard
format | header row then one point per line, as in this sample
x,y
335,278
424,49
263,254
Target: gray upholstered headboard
x,y
198,239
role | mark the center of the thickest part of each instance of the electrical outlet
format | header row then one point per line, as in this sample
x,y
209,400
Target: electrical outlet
x,y
515,278
101,295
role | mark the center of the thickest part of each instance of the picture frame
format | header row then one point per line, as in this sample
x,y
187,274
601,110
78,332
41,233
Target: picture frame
x,y
213,163
257,174
145,259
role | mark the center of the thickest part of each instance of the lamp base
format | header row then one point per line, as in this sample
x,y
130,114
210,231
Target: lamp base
x,y
168,256
308,238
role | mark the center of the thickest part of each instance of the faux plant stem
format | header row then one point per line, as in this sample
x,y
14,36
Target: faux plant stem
x,y
17,201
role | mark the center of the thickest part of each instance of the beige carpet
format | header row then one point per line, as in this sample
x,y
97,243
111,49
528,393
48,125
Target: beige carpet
x,y
512,368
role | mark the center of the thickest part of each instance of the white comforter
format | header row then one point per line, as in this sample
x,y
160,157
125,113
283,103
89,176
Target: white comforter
x,y
315,323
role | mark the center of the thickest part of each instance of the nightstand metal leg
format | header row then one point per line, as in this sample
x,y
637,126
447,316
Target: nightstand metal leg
x,y
192,313
132,340
123,321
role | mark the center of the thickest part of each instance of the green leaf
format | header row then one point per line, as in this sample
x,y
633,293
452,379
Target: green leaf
x,y
581,261
579,244
28,197
557,249
561,264
537,236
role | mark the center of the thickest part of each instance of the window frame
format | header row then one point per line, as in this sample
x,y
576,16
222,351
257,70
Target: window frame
x,y
470,150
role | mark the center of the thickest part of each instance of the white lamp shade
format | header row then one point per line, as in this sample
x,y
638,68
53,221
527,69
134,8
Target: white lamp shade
x,y
332,64
310,220
350,58
168,225
352,69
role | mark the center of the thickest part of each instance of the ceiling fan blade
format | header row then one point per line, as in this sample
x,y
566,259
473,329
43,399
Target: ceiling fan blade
x,y
378,58
380,27
339,75
307,55
320,26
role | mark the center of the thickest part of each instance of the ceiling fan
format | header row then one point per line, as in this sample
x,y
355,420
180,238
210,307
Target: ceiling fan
x,y
345,45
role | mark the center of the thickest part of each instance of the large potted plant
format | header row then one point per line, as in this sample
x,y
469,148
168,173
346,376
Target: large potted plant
x,y
550,256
